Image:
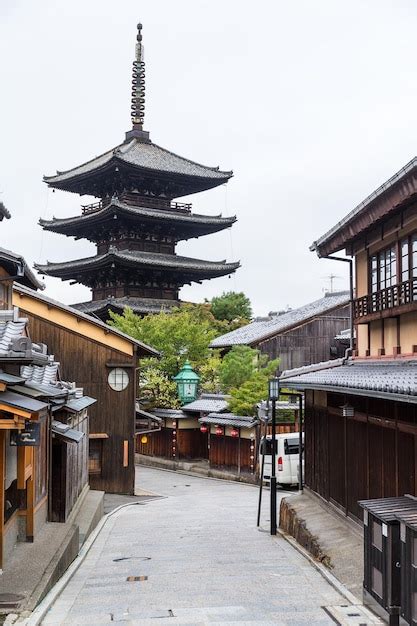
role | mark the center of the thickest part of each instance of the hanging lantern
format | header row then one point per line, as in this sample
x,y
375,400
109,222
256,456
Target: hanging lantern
x,y
187,383
234,432
203,428
219,430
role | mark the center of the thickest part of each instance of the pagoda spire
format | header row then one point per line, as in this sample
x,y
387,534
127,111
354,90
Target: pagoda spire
x,y
137,108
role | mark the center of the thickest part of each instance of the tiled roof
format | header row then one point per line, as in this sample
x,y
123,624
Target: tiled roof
x,y
16,264
229,419
144,155
173,414
138,305
209,403
257,331
389,379
92,320
364,205
138,258
116,206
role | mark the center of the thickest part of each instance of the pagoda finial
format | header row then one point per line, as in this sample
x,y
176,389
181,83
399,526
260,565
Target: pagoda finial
x,y
138,84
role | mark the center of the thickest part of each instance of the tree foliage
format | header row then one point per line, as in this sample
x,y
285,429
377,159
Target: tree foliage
x,y
245,398
237,366
232,306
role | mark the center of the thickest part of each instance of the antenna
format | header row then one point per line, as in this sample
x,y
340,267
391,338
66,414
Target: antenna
x,y
331,278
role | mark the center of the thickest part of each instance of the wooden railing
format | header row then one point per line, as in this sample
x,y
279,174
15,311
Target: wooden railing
x,y
146,202
89,208
384,299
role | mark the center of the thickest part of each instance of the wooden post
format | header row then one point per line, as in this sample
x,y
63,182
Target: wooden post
x,y
30,500
2,478
238,454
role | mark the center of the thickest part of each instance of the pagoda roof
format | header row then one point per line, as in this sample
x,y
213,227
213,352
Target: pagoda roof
x,y
139,259
191,222
138,305
141,158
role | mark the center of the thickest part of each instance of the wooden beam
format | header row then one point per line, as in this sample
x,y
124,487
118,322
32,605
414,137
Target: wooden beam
x,y
5,408
125,453
2,479
98,436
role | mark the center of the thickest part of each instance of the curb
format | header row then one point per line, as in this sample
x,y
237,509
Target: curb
x,y
328,576
197,475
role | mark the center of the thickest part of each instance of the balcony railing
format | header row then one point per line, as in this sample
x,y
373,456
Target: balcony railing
x,y
146,202
384,299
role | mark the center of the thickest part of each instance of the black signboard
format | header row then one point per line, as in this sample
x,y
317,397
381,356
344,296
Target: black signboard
x,y
30,436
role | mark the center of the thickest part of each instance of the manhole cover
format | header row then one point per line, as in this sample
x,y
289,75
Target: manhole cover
x,y
10,600
132,579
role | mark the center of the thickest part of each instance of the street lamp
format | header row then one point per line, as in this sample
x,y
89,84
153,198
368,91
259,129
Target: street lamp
x,y
187,383
273,396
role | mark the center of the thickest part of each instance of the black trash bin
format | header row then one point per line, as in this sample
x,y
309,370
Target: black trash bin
x,y
382,553
408,537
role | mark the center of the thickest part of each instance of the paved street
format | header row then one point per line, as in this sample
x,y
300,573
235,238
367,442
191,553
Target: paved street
x,y
200,560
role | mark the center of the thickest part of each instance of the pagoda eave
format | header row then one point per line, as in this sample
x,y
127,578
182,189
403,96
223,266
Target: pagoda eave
x,y
185,268
182,225
114,172
140,306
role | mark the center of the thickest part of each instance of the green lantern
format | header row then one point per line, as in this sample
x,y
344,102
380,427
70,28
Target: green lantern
x,y
187,383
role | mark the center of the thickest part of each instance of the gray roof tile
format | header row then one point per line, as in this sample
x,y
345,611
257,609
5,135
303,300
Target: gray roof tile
x,y
155,214
390,379
143,155
139,258
207,405
258,331
229,419
138,305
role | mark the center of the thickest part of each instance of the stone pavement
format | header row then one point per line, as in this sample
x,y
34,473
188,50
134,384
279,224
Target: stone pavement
x,y
193,557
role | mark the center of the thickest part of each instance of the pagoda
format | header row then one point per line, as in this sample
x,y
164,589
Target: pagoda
x,y
136,221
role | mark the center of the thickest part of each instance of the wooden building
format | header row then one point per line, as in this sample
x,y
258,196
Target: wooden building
x,y
298,337
135,222
361,412
37,413
104,361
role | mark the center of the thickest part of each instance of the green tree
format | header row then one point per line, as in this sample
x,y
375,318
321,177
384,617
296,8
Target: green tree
x,y
232,306
183,333
157,389
237,366
245,398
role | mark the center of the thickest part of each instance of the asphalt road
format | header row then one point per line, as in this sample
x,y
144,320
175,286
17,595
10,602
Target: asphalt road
x,y
193,557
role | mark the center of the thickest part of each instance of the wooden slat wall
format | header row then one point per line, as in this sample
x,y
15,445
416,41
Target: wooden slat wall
x,y
84,361
224,452
158,444
367,456
310,342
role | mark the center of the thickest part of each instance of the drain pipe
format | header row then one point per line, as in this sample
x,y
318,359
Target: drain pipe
x,y
348,351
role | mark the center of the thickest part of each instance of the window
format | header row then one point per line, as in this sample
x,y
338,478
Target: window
x,y
118,379
383,269
95,456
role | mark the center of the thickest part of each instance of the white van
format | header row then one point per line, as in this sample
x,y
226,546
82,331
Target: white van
x,y
287,459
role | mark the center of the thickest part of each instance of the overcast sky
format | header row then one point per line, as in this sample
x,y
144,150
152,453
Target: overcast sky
x,y
311,103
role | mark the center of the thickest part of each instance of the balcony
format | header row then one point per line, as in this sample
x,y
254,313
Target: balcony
x,y
134,200
388,302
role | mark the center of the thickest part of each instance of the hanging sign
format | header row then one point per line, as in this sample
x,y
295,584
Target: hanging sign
x,y
30,436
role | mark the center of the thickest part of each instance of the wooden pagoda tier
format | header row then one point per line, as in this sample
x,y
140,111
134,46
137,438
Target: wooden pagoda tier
x,y
139,165
126,219
122,273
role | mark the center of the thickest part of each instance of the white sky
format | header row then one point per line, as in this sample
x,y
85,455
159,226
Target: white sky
x,y
312,103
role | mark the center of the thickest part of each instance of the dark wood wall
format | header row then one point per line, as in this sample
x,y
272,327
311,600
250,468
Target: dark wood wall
x,y
310,342
372,455
224,453
84,361
190,444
